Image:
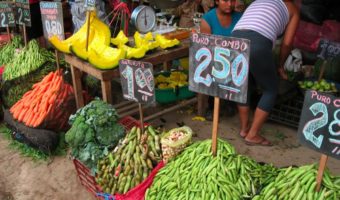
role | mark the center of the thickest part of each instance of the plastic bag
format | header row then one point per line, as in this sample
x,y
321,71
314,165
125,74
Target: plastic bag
x,y
307,36
174,141
294,61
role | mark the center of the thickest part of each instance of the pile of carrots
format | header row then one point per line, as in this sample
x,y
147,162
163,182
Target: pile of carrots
x,y
44,102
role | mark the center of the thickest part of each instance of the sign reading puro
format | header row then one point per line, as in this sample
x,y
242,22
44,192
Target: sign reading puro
x,y
219,66
319,126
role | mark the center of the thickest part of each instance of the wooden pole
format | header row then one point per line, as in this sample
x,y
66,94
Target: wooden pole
x,y
57,58
9,33
88,29
215,125
322,70
141,118
25,35
322,165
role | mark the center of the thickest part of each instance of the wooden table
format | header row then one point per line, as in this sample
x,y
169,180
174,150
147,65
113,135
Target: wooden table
x,y
106,76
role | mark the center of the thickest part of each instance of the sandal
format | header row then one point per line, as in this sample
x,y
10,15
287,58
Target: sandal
x,y
243,134
262,142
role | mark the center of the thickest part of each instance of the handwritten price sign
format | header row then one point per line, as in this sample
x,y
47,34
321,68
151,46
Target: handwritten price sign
x,y
219,66
319,126
52,19
137,81
6,14
328,49
23,15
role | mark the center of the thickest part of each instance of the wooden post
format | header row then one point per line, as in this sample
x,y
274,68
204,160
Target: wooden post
x,y
322,165
141,117
215,125
88,29
78,90
25,35
322,70
57,58
9,33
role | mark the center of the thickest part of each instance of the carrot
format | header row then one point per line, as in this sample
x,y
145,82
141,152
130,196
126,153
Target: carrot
x,y
27,116
22,114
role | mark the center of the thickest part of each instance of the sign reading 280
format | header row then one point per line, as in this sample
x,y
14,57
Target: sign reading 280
x,y
219,66
319,126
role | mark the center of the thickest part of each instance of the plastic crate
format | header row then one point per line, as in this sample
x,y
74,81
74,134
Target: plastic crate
x,y
84,173
288,112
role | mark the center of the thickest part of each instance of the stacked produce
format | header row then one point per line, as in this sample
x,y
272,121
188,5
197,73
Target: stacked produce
x,y
99,53
300,183
322,85
131,162
44,102
7,52
197,174
29,59
12,91
175,79
174,141
94,132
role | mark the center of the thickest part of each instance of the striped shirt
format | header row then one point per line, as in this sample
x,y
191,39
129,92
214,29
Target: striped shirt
x,y
267,17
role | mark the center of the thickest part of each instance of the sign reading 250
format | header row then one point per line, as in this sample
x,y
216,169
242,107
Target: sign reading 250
x,y
219,66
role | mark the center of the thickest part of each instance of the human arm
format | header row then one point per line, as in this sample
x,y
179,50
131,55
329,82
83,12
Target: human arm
x,y
287,42
205,28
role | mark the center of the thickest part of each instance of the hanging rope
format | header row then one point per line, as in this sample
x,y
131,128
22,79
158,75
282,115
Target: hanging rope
x,y
120,11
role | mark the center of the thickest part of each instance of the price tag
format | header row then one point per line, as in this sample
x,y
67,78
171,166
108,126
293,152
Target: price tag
x,y
219,66
137,81
90,4
6,14
319,126
22,12
52,19
328,49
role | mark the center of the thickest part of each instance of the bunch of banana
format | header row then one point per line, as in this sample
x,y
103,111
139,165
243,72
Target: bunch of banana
x,y
300,183
196,174
175,79
98,53
131,162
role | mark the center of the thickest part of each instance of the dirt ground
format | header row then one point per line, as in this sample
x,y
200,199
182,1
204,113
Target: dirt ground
x,y
23,179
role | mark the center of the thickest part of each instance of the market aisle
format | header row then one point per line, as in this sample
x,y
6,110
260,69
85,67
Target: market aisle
x,y
24,179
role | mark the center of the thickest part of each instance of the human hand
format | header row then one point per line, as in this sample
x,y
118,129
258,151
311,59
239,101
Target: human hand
x,y
282,73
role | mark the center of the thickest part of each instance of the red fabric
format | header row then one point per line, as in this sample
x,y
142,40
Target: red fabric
x,y
330,30
33,1
138,192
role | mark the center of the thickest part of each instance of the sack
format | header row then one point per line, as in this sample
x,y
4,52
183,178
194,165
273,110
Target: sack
x,y
174,141
294,61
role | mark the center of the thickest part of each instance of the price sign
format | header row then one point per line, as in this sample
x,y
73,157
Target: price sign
x,y
219,66
22,12
6,14
137,81
52,19
328,49
90,4
319,126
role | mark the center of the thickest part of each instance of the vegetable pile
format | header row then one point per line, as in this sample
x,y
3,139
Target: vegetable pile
x,y
94,132
196,174
44,102
27,60
131,162
175,79
322,85
7,52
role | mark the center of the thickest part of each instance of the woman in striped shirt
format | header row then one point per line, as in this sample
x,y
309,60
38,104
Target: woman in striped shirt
x,y
262,22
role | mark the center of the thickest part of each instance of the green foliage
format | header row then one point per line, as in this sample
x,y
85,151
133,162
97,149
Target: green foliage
x,y
94,130
30,152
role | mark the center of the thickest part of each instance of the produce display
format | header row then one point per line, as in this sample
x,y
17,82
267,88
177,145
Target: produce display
x,y
12,91
131,162
166,43
29,59
322,85
174,141
175,79
44,102
94,132
300,183
7,52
